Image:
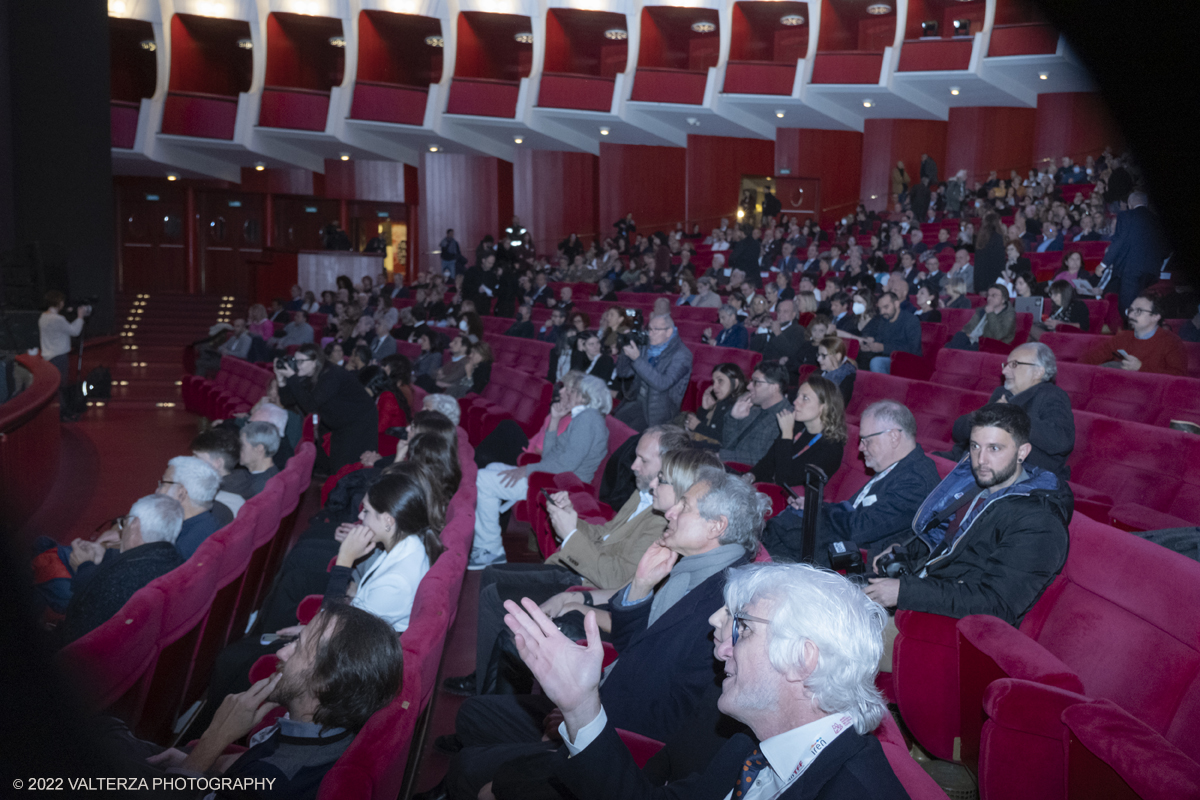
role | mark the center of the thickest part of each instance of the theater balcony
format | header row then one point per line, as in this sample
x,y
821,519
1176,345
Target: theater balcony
x,y
1026,56
133,74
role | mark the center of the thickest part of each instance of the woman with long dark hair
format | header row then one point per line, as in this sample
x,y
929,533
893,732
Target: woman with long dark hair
x,y
990,255
706,424
342,406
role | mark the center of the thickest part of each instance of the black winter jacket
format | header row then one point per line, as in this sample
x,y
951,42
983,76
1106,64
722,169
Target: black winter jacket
x,y
106,587
1052,427
1007,555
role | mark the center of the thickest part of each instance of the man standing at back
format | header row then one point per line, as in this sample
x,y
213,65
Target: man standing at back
x,y
660,375
1138,250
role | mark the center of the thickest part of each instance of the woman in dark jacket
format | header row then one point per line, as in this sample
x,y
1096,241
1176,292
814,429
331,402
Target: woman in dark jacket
x,y
990,255
729,382
343,407
821,418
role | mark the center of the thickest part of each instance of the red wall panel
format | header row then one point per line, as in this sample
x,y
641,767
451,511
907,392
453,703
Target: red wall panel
x,y
1075,124
661,85
124,123
556,194
483,97
935,54
649,181
886,141
987,138
715,166
1023,40
847,68
377,181
834,158
296,109
403,105
460,192
208,116
759,78
575,91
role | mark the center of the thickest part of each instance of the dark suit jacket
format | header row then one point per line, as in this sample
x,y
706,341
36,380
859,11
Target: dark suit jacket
x,y
853,766
101,590
524,330
663,669
603,369
791,343
1136,253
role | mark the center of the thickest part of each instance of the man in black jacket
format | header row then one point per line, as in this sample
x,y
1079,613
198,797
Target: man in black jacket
x,y
523,327
106,577
481,283
991,537
810,720
1029,383
785,341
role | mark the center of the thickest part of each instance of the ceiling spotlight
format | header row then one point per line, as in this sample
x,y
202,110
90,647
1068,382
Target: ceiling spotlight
x,y
962,27
524,38
1044,76
954,90
245,44
433,148
868,103
704,26
517,140
604,131
435,41
693,121
616,34
116,7
879,9
337,41
148,45
791,20
779,113
259,166
171,176
344,156
929,27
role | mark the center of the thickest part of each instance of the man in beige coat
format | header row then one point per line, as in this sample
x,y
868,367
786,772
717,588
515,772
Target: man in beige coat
x,y
600,556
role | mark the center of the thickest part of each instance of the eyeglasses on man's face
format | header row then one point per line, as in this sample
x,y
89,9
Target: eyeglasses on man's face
x,y
740,628
1135,312
863,439
1013,364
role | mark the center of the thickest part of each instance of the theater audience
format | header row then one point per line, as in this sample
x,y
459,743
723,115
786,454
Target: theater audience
x,y
193,484
1146,346
523,327
964,270
751,426
810,646
995,320
589,356
259,442
660,374
1029,384
882,510
1069,311
991,536
835,366
785,341
732,334
707,424
106,577
891,330
578,449
296,332
220,448
812,432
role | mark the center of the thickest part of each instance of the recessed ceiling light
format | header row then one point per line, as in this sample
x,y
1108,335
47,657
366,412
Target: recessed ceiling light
x,y
616,34
704,26
1044,76
148,44
879,9
779,113
171,176
693,121
337,41
245,44
954,90
604,131
344,156
517,140
791,20
435,41
433,148
868,103
524,37
259,166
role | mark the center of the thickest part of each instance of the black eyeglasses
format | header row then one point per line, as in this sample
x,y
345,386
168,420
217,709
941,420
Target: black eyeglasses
x,y
740,628
873,435
162,483
1013,364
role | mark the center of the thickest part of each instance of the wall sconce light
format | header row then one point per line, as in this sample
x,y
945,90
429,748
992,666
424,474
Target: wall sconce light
x,y
616,34
525,37
868,103
1044,76
879,9
954,90
435,41
517,140
962,27
604,131
779,113
259,166
433,148
791,20
344,156
171,176
929,28
704,26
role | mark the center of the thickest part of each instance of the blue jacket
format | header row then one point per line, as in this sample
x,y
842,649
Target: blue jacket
x,y
1007,551
902,335
1137,252
735,336
897,495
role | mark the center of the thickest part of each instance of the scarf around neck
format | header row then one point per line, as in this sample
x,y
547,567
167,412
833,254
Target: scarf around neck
x,y
690,572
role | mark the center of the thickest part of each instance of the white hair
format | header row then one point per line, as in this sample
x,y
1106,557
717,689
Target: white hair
x,y
818,606
269,412
197,477
743,508
443,404
160,517
596,392
264,433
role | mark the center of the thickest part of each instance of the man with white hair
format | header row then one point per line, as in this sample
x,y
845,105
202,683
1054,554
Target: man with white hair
x,y
194,484
800,648
286,422
106,577
259,442
443,404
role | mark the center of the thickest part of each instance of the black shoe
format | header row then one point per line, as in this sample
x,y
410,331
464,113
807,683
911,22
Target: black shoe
x,y
463,687
448,744
436,793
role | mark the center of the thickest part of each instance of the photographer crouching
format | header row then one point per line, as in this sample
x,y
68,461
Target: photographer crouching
x,y
344,409
660,366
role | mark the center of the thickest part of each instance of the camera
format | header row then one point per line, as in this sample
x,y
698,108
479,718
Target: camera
x,y
286,362
846,557
637,337
892,565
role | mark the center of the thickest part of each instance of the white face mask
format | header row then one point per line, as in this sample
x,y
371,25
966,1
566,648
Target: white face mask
x,y
462,326
858,308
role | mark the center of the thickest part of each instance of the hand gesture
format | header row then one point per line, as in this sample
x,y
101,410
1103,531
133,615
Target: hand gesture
x,y
655,565
741,409
359,541
553,607
563,518
885,591
1131,363
787,423
558,411
369,458
82,550
631,351
708,399
796,502
343,531
568,674
692,422
775,327
239,713
509,477
402,450
708,333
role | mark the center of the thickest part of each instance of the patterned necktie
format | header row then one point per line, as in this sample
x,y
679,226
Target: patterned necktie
x,y
754,765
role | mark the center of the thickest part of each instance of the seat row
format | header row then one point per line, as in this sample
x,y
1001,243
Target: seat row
x,y
236,387
1073,347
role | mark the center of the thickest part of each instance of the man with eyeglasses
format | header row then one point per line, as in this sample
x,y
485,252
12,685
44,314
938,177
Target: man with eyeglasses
x,y
194,485
799,649
882,510
1146,347
1029,384
660,375
751,426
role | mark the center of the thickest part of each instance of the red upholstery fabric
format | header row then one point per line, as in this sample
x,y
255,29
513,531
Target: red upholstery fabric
x,y
403,105
924,667
584,92
642,748
483,97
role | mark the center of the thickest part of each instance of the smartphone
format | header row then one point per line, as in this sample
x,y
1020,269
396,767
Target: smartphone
x,y
271,638
1123,354
549,499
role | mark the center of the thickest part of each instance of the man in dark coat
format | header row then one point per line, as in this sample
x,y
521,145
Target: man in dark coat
x,y
777,758
991,537
481,283
661,372
106,577
785,341
1137,252
523,327
1028,382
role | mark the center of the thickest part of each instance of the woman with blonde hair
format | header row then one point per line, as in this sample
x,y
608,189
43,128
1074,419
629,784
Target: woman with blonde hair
x,y
257,322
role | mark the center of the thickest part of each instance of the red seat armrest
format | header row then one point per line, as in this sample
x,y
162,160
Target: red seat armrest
x,y
309,607
1103,739
927,627
528,458
1029,707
